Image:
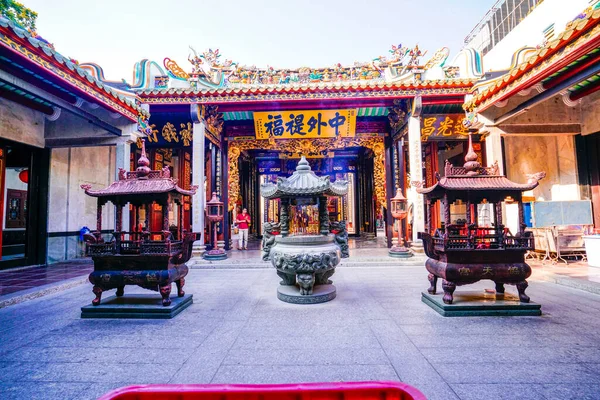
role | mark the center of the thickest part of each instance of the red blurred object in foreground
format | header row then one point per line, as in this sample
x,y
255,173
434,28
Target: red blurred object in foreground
x,y
301,391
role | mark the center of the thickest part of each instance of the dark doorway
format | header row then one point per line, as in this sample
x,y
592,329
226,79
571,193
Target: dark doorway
x,y
23,173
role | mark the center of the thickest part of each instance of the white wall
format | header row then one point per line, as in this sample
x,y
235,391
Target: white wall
x,y
530,32
69,208
12,182
21,124
554,155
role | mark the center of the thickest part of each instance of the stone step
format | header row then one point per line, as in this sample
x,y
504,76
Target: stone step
x,y
200,263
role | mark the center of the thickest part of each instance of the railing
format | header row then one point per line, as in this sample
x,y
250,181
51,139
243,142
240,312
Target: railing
x,y
475,238
99,249
137,243
129,246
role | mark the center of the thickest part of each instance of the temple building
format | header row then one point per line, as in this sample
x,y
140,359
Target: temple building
x,y
539,107
524,86
59,128
243,126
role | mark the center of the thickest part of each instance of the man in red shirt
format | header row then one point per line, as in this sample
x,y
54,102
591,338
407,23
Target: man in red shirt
x,y
243,222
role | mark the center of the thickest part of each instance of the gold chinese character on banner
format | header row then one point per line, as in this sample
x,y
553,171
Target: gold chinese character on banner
x,y
186,133
152,136
169,133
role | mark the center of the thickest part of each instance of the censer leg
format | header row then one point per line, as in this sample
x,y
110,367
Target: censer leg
x,y
433,281
97,290
499,288
165,292
521,286
180,282
449,288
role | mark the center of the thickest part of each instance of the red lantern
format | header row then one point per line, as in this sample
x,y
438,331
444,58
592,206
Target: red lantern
x,y
24,176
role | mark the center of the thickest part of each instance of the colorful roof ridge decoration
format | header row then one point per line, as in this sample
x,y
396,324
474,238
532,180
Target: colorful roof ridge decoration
x,y
582,32
473,177
141,181
303,182
41,53
210,72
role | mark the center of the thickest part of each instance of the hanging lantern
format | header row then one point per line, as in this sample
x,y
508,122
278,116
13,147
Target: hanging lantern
x,y
24,176
398,205
214,209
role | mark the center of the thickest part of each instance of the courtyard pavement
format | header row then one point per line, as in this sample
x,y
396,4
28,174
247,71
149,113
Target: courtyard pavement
x,y
238,332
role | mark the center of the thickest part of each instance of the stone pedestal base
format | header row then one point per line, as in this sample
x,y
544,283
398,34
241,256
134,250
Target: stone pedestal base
x,y
400,252
137,306
198,249
481,303
417,247
321,294
212,255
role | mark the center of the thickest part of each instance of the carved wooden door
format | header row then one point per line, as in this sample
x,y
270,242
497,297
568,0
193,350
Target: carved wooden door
x,y
16,208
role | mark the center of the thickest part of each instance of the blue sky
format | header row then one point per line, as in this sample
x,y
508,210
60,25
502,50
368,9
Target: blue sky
x,y
279,33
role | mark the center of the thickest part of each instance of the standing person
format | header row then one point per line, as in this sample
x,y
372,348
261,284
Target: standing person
x,y
243,222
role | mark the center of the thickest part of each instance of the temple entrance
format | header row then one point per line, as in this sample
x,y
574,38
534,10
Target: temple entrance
x,y
354,164
304,217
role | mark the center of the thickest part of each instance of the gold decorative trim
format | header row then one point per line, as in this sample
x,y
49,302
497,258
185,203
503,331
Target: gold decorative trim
x,y
307,147
207,98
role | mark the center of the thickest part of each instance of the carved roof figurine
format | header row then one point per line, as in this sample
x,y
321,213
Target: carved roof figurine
x,y
142,181
304,182
472,177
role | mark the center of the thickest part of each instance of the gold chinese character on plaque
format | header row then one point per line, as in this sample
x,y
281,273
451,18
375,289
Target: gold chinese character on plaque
x,y
428,128
445,128
460,128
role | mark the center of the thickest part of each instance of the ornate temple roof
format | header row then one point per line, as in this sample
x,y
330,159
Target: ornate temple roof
x,y
472,177
214,79
441,86
38,51
303,182
580,34
142,181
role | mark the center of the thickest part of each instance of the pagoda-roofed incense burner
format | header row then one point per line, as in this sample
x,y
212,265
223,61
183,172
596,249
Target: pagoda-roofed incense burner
x,y
304,261
151,260
466,252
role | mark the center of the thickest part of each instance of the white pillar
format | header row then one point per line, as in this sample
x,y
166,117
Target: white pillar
x,y
123,161
416,175
493,147
198,201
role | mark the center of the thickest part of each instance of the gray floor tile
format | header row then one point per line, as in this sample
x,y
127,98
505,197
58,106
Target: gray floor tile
x,y
500,391
42,391
290,374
